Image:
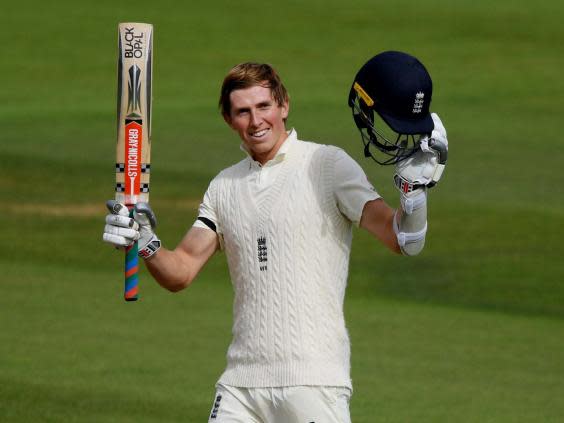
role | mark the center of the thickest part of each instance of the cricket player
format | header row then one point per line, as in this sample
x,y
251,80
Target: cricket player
x,y
283,216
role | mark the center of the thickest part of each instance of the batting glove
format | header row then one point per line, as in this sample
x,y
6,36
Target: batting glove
x,y
122,231
425,167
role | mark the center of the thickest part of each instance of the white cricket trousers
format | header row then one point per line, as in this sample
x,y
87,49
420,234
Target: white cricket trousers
x,y
292,404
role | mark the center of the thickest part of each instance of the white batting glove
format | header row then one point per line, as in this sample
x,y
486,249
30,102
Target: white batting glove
x,y
122,231
425,167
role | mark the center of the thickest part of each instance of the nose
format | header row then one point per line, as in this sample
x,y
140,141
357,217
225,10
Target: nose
x,y
256,119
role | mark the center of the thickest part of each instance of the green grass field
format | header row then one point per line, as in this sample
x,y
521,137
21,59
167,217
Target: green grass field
x,y
469,331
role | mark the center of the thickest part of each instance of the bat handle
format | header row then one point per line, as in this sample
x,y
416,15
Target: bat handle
x,y
131,268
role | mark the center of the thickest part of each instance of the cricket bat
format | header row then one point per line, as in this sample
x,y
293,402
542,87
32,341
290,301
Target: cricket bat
x,y
133,152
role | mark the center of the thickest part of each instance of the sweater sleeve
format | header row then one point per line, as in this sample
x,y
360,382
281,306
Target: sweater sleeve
x,y
207,212
351,187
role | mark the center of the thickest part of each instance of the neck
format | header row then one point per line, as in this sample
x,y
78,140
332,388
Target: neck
x,y
263,158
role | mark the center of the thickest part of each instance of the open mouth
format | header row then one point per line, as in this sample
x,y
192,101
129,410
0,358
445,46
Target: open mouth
x,y
260,134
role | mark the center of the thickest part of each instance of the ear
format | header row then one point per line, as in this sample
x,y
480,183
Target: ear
x,y
285,109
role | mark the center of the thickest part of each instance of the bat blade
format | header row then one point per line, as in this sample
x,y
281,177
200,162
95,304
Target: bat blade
x,y
133,150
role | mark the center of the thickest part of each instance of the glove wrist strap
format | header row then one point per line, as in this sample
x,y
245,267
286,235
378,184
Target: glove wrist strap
x,y
150,248
405,186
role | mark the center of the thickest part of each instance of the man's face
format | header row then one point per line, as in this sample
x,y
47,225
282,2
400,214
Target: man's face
x,y
259,121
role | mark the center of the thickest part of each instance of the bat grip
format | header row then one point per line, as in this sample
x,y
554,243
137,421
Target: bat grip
x,y
131,268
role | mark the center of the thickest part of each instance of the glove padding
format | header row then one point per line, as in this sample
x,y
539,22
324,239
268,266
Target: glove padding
x,y
425,167
122,230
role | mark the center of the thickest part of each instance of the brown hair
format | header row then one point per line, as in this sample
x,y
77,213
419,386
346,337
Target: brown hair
x,y
249,74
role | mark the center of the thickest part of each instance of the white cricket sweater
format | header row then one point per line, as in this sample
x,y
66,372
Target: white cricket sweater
x,y
288,257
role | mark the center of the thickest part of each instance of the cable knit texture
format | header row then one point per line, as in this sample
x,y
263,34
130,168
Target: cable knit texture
x,y
288,258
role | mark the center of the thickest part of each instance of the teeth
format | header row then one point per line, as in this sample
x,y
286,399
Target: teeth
x,y
259,133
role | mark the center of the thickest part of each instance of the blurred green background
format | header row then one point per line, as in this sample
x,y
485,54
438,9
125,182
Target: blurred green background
x,y
471,330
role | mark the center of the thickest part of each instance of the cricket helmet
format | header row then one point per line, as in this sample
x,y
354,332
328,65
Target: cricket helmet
x,y
398,88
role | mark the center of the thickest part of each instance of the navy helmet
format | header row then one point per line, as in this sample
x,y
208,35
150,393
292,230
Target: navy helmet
x,y
398,88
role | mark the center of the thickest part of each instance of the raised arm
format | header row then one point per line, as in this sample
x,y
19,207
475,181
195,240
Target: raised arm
x,y
377,218
403,230
172,269
176,269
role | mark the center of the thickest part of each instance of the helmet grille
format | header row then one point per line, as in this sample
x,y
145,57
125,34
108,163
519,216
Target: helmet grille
x,y
378,146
